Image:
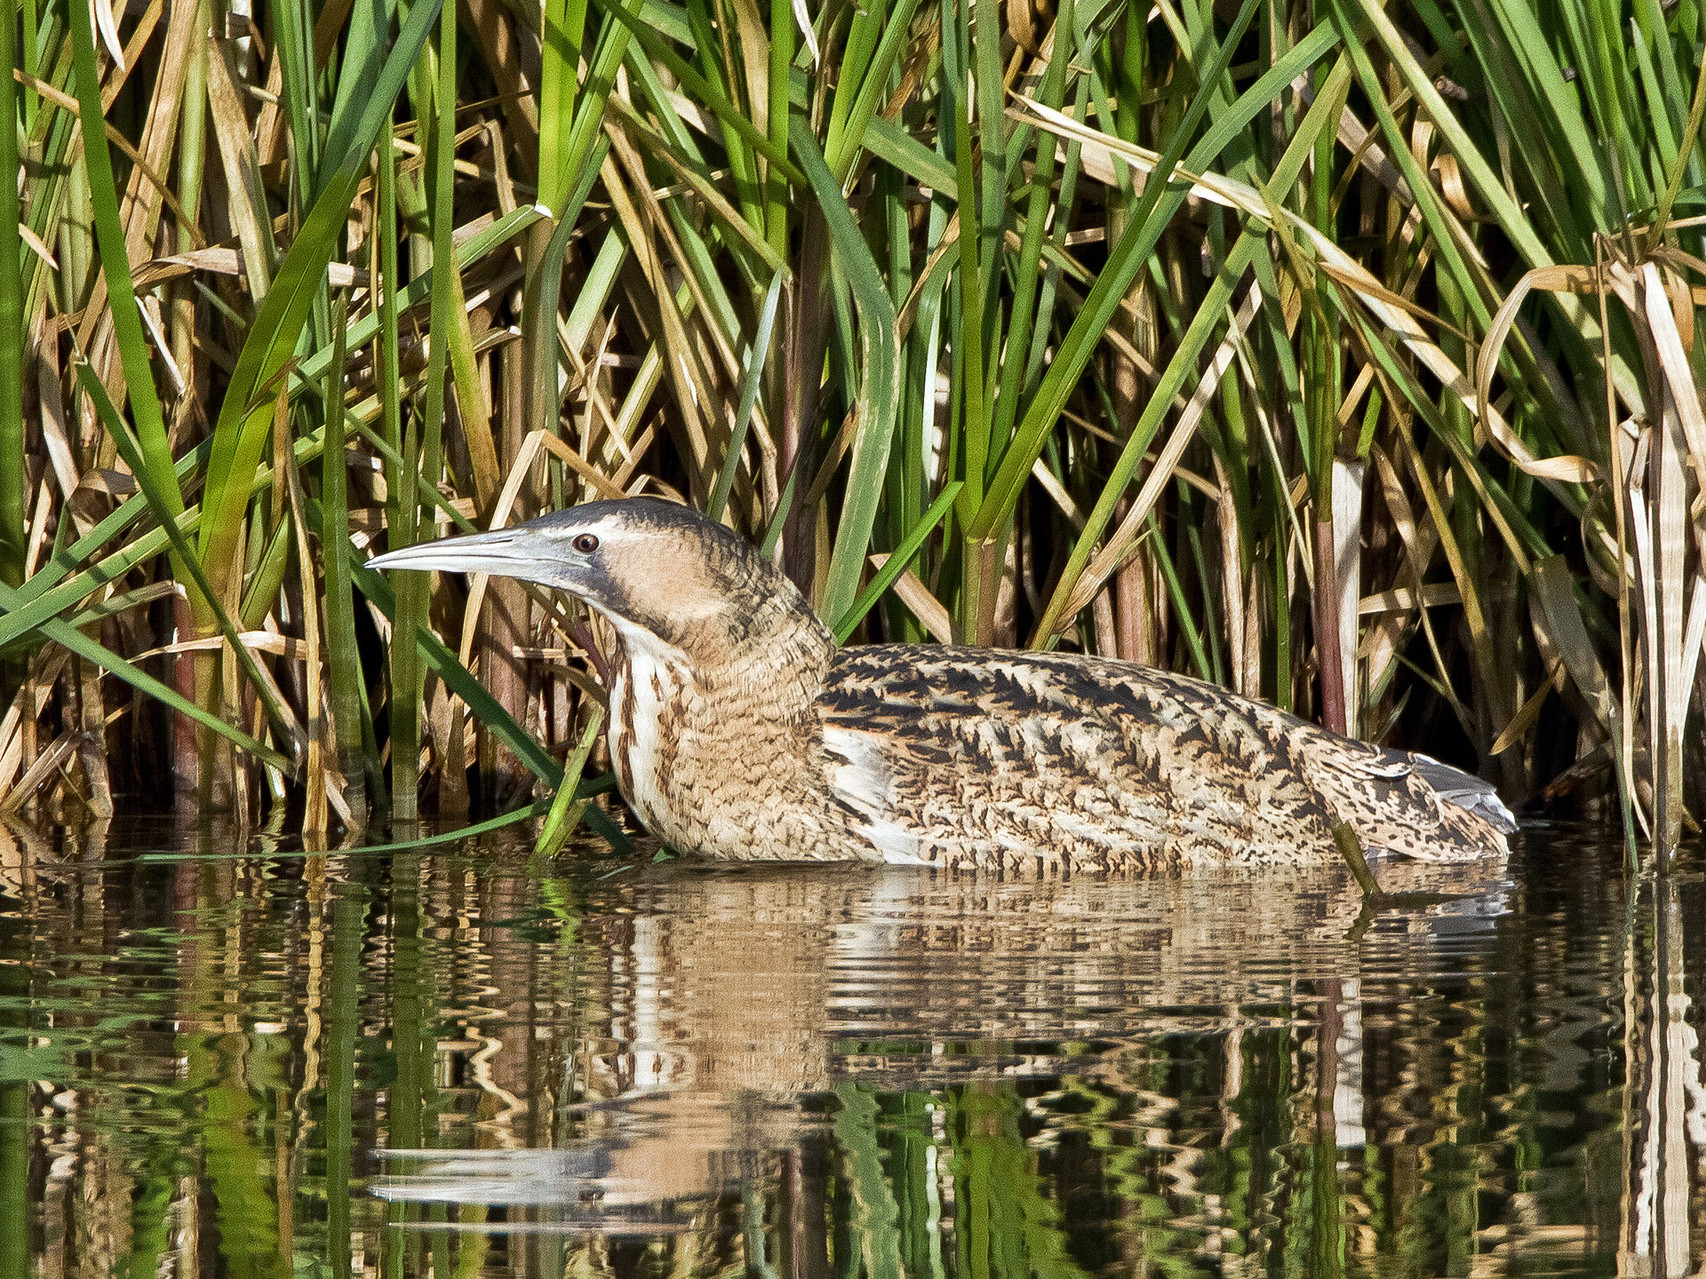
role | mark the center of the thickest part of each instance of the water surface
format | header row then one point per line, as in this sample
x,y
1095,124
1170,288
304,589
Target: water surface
x,y
220,1055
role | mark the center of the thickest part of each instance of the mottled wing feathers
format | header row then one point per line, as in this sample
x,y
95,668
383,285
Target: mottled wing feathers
x,y
951,756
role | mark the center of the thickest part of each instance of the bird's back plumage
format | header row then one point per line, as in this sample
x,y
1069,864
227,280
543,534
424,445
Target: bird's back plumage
x,y
948,756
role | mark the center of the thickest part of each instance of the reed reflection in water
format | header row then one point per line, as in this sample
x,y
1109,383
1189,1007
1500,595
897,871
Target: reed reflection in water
x,y
239,1059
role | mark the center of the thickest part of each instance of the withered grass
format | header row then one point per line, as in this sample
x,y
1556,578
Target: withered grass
x,y
1385,405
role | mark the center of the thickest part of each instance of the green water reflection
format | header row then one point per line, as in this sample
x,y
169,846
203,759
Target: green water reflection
x,y
221,1056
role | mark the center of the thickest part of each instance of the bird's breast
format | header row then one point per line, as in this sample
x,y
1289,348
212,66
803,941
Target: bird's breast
x,y
722,760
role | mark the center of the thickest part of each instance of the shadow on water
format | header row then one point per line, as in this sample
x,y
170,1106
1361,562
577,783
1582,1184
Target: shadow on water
x,y
219,1055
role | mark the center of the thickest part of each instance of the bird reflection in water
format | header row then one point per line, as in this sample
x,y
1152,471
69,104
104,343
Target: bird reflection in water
x,y
763,1025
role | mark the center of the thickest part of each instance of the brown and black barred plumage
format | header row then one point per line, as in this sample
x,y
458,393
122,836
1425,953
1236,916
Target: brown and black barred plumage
x,y
739,730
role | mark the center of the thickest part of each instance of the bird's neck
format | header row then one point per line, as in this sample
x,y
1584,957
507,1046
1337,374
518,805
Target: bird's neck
x,y
769,649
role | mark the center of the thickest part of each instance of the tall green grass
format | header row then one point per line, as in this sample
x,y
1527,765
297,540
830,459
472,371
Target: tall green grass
x,y
1341,354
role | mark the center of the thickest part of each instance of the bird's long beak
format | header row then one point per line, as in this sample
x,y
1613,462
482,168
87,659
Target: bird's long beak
x,y
513,552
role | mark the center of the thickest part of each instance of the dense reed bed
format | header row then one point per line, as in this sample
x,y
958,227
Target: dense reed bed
x,y
1382,403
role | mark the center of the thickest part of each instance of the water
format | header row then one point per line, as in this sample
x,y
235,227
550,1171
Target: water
x,y
221,1056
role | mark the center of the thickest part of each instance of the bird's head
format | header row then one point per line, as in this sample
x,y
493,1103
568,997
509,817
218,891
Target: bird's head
x,y
661,573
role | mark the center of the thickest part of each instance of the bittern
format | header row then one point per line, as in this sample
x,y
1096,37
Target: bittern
x,y
739,729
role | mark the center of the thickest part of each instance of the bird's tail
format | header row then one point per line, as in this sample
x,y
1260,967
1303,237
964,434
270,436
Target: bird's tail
x,y
1472,794
1411,805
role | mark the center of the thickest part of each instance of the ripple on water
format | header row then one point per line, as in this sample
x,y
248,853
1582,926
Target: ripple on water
x,y
237,1052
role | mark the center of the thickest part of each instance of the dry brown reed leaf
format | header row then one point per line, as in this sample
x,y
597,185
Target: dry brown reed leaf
x,y
1364,283
1554,589
1681,305
271,643
143,194
447,737
1450,178
1571,279
59,751
17,726
222,259
1056,491
1022,26
126,62
1419,542
244,187
1402,599
149,307
1682,394
55,435
1658,502
1529,715
36,537
33,242
317,795
931,613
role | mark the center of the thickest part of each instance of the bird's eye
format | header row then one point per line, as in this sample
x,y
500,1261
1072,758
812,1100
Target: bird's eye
x,y
586,543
